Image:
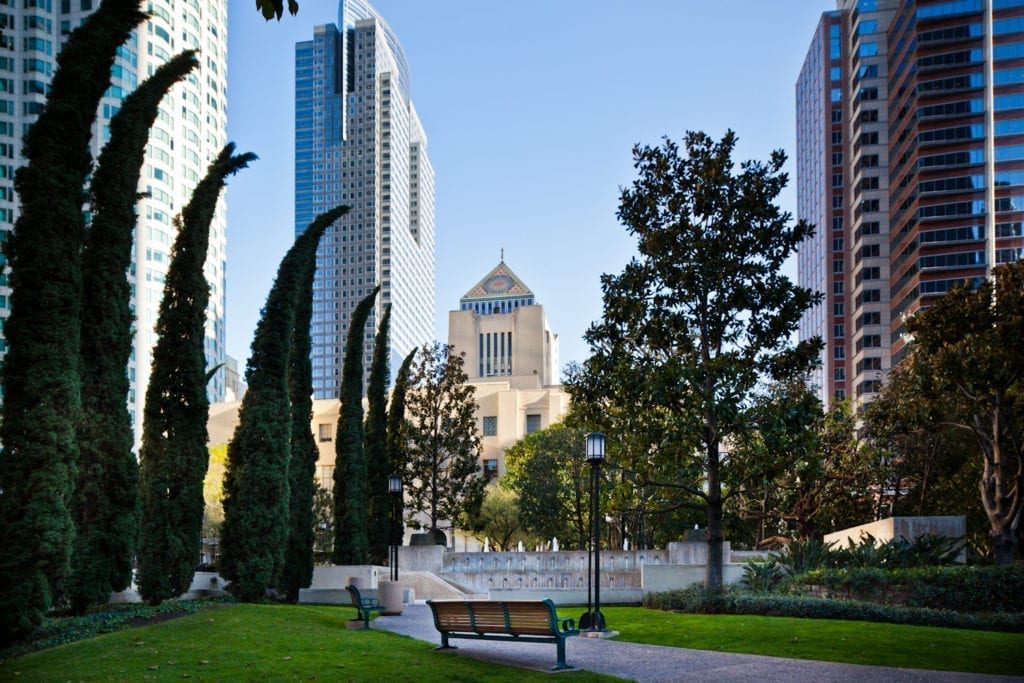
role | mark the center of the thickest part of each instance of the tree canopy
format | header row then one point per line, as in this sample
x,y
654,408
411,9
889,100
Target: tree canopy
x,y
351,540
42,400
549,473
443,467
173,458
256,487
105,503
692,324
966,347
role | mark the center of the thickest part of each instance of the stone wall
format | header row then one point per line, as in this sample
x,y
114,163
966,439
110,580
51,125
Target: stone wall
x,y
659,578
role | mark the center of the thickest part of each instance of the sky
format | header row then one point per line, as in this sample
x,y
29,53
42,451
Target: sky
x,y
531,110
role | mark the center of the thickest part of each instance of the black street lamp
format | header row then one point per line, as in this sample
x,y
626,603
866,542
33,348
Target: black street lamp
x,y
593,620
395,489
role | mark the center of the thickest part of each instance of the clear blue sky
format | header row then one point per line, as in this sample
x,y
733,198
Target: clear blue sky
x,y
531,109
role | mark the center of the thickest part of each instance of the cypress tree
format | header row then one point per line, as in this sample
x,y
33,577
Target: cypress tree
x,y
396,447
173,458
256,487
299,560
351,545
375,446
40,374
396,416
105,503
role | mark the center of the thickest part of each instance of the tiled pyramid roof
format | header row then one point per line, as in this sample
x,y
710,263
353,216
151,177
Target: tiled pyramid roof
x,y
500,283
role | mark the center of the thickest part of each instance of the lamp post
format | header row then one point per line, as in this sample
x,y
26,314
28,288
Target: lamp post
x,y
593,620
395,489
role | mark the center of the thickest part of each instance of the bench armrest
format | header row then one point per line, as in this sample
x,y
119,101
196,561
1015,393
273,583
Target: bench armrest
x,y
568,624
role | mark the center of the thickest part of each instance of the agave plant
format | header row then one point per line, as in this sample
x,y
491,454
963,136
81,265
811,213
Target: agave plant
x,y
800,557
762,576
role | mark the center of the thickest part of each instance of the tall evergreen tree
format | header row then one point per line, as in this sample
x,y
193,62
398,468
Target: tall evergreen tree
x,y
351,545
398,432
40,374
256,488
105,503
173,459
299,559
375,445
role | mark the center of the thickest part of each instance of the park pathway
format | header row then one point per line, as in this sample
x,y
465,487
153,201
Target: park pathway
x,y
638,662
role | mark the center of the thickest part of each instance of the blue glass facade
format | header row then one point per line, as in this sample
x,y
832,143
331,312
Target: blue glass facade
x,y
359,142
931,164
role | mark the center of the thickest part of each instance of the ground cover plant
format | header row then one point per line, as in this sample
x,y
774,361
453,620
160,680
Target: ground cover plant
x,y
59,630
271,642
854,642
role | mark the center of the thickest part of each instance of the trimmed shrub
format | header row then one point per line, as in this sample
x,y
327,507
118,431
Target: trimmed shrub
x,y
962,589
698,600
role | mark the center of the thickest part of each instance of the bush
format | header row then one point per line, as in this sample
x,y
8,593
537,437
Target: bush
x,y
926,550
762,576
106,619
962,589
800,557
698,600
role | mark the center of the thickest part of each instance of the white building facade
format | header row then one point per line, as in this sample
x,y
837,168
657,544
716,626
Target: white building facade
x,y
190,130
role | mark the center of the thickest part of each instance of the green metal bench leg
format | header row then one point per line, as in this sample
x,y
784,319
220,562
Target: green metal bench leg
x,y
561,665
444,643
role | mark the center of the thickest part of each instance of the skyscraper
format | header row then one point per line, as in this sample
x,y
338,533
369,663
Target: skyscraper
x,y
358,141
923,172
189,131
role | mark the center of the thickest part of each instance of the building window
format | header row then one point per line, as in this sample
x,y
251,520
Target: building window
x,y
490,425
325,432
532,424
491,468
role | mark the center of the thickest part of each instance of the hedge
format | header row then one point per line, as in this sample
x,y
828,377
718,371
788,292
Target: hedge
x,y
961,589
697,600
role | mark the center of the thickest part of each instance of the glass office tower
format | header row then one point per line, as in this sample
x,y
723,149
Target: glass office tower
x,y
931,172
358,141
190,129
821,198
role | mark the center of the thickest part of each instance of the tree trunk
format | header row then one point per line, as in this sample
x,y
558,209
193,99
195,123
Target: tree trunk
x,y
1004,545
713,575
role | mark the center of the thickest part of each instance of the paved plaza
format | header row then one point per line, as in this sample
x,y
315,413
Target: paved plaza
x,y
656,663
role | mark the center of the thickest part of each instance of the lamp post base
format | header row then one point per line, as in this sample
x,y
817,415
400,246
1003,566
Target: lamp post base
x,y
592,621
600,635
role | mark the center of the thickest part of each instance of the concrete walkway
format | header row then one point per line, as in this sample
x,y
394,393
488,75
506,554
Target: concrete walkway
x,y
656,663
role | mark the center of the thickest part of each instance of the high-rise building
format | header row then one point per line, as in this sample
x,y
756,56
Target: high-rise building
x,y
189,131
927,165
358,141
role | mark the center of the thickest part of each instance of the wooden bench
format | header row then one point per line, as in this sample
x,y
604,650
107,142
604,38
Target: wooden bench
x,y
524,621
364,606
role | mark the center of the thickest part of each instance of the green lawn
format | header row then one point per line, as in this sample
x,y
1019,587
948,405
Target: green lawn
x,y
855,642
258,642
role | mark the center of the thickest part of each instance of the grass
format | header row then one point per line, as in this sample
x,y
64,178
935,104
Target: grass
x,y
854,642
259,642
